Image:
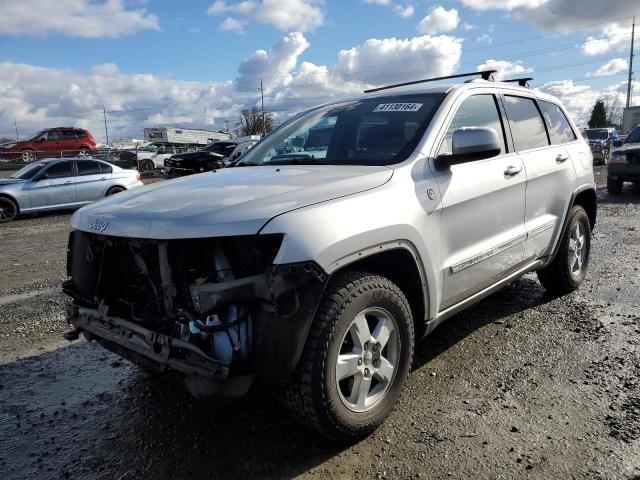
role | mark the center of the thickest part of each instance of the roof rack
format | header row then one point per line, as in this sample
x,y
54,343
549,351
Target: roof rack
x,y
486,75
523,82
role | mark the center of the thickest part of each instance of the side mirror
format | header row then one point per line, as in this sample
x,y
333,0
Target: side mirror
x,y
470,144
617,143
40,176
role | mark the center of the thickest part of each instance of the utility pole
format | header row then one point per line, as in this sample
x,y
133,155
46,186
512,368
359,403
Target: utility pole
x,y
264,125
633,31
15,124
226,126
106,130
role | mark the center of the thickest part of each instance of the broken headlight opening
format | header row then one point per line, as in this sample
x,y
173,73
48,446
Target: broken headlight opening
x,y
192,306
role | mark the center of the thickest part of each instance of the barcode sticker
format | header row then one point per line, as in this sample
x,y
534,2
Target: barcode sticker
x,y
398,107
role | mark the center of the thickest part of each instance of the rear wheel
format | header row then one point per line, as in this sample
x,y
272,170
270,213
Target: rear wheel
x,y
569,267
147,166
28,156
84,152
114,190
614,187
356,358
8,209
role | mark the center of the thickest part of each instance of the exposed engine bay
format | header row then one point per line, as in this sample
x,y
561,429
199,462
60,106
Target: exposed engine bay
x,y
212,310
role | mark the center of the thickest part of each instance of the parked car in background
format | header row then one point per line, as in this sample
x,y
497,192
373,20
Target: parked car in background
x,y
152,156
319,270
217,155
51,142
55,184
601,143
624,165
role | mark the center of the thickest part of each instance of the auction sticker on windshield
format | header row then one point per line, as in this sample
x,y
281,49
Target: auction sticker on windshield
x,y
398,107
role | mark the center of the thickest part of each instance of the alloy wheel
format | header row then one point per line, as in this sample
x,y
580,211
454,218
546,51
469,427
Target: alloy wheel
x,y
577,251
7,210
368,359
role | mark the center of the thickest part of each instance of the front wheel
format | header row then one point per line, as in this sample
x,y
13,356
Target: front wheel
x,y
8,209
147,166
569,267
356,358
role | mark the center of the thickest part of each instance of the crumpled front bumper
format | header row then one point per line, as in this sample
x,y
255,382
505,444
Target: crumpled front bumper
x,y
202,375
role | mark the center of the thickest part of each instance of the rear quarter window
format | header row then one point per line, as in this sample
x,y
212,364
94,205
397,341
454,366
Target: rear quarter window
x,y
559,127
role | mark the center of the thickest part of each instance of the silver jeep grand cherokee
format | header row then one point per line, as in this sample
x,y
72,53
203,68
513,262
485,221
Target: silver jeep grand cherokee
x,y
335,244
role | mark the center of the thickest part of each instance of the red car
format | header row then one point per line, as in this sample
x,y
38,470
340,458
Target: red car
x,y
52,142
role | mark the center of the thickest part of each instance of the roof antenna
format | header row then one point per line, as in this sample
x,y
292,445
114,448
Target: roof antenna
x,y
485,74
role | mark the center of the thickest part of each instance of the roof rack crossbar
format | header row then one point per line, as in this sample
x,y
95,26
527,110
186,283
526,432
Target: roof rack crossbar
x,y
486,75
523,82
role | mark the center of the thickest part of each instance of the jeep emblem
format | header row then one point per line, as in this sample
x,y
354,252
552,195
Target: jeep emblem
x,y
98,225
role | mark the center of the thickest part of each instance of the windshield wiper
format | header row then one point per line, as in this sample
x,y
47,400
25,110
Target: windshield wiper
x,y
295,159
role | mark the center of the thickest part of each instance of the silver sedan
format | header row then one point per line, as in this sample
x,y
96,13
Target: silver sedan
x,y
61,183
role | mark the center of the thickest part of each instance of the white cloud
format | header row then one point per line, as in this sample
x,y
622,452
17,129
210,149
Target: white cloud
x,y
40,97
613,66
469,26
404,12
231,25
378,2
485,38
505,68
439,20
285,15
613,37
75,18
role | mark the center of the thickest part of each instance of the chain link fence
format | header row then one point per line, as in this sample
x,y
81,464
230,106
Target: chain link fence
x,y
13,160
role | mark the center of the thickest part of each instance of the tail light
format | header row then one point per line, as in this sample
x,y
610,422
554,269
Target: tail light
x,y
138,177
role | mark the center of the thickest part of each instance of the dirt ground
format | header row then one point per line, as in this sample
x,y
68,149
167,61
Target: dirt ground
x,y
521,385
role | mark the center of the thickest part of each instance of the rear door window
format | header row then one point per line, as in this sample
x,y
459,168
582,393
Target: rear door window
x,y
527,127
86,167
68,135
105,168
559,128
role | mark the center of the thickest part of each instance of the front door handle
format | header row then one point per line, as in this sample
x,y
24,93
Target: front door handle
x,y
561,158
67,183
102,178
512,171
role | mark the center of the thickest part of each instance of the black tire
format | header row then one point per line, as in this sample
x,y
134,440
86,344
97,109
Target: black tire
x,y
614,187
147,166
559,277
114,190
315,396
8,209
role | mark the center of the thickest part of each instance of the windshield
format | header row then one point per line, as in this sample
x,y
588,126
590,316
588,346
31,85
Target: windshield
x,y
222,148
634,136
372,131
34,137
597,134
28,171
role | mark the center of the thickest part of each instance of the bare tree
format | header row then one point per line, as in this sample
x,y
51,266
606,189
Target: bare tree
x,y
251,122
613,109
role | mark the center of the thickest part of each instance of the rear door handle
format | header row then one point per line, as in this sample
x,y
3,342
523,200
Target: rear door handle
x,y
561,158
512,171
102,178
67,183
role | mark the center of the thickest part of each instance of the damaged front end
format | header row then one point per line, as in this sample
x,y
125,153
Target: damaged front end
x,y
215,311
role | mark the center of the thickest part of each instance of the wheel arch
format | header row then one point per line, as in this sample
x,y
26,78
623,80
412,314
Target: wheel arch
x,y
400,263
13,199
115,185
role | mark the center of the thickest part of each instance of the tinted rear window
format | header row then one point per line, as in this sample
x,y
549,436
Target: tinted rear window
x,y
88,168
526,123
80,134
560,130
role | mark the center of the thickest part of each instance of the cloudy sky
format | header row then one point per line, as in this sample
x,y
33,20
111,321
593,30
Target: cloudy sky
x,y
197,63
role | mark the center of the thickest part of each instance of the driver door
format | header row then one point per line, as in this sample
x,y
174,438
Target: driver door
x,y
57,189
483,205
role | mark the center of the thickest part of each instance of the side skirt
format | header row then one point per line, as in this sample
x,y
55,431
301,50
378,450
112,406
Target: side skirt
x,y
476,297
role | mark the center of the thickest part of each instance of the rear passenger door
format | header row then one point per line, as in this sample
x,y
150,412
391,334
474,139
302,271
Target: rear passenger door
x,y
482,225
68,143
90,182
550,172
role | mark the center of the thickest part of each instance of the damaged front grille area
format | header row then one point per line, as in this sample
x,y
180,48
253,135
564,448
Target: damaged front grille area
x,y
201,291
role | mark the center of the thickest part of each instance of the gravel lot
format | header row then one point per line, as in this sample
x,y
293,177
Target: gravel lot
x,y
521,385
